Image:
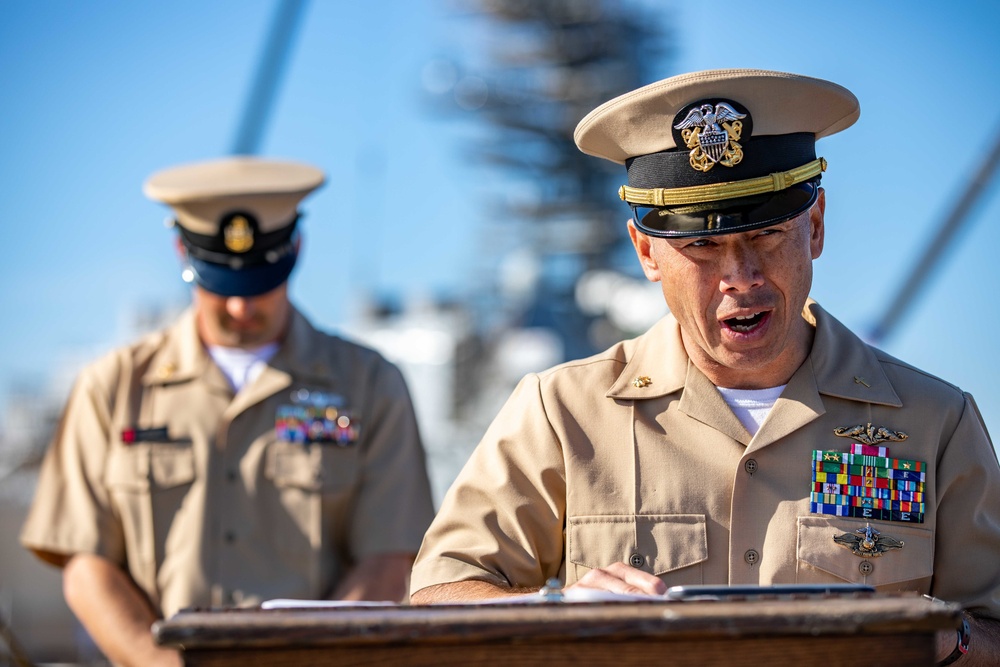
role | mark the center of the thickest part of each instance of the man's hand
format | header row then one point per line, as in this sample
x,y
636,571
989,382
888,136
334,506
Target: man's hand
x,y
380,577
617,578
466,591
984,643
621,578
114,611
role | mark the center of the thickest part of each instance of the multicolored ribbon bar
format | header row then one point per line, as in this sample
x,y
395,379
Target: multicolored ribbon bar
x,y
875,503
903,480
864,460
869,450
888,494
866,513
867,483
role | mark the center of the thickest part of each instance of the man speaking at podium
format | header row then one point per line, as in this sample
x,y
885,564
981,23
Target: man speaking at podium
x,y
238,455
748,437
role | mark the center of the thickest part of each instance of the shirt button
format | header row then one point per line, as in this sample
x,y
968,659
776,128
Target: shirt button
x,y
231,475
752,557
230,536
750,466
636,560
866,567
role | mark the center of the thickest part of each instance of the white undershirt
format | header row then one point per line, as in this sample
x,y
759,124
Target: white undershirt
x,y
751,405
241,367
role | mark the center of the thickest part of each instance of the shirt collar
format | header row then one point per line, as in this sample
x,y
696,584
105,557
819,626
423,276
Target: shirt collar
x,y
656,363
302,353
182,356
841,363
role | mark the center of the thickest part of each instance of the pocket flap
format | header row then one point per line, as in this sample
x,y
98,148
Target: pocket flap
x,y
128,469
171,465
140,467
294,465
664,542
915,560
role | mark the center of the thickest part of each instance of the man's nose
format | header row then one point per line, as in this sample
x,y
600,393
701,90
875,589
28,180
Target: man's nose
x,y
238,307
741,265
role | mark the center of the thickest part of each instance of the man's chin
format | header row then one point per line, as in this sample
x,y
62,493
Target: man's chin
x,y
242,338
748,361
251,341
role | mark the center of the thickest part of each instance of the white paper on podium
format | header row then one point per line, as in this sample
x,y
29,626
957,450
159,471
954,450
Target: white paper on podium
x,y
569,595
572,595
320,604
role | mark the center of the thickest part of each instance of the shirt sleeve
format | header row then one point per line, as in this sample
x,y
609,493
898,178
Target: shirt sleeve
x,y
503,519
72,511
966,566
394,505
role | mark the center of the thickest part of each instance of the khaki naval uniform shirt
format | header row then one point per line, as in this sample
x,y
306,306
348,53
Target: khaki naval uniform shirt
x,y
222,512
583,468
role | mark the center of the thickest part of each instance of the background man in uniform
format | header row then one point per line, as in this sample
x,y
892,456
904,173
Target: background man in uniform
x,y
239,455
748,437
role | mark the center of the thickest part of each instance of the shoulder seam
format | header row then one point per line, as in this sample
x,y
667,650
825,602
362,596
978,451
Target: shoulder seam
x,y
892,361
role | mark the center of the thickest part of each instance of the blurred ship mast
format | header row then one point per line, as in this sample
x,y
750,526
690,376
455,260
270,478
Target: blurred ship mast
x,y
268,77
930,260
550,63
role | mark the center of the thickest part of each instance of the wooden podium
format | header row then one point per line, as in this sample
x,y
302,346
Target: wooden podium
x,y
862,629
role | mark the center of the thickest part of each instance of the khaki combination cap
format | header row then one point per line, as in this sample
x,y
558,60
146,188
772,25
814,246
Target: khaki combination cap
x,y
237,219
719,151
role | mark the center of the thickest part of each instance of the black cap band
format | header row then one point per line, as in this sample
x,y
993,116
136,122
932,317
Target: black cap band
x,y
240,260
761,156
266,248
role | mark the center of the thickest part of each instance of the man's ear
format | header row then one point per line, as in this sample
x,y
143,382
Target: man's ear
x,y
187,273
817,225
644,251
180,249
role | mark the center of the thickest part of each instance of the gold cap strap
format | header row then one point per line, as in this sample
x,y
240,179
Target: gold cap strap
x,y
698,194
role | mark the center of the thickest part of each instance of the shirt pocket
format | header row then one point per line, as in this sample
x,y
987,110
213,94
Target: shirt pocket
x,y
142,467
670,546
306,505
148,483
313,468
821,560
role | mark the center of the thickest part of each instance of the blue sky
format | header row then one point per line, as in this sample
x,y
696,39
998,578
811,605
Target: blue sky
x,y
97,95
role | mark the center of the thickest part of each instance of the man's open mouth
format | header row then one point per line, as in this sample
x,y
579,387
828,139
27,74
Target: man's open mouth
x,y
745,323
